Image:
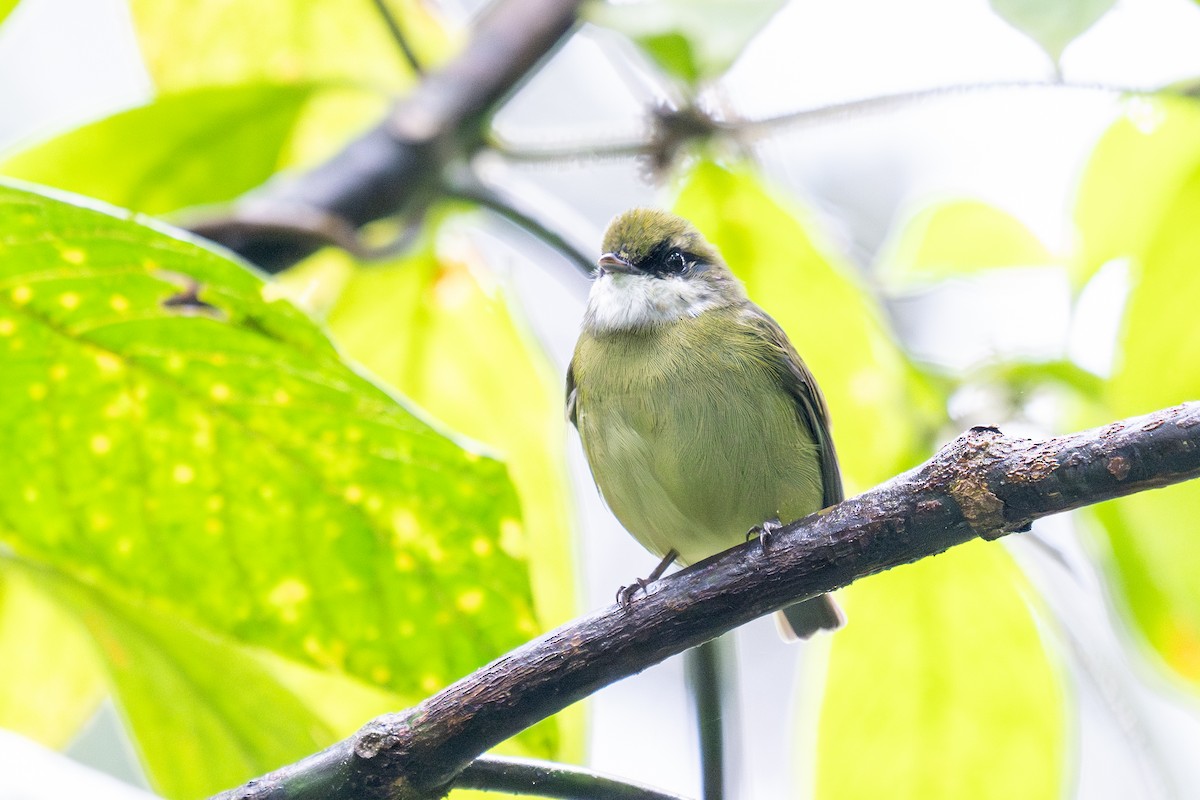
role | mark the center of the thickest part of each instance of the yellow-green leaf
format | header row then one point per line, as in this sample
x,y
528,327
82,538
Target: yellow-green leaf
x,y
880,410
1132,178
195,43
202,146
183,444
940,688
959,237
1152,536
51,680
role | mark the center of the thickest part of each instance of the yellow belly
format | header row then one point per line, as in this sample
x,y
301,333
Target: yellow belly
x,y
690,449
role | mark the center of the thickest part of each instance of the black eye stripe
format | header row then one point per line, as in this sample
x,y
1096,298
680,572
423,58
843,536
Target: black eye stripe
x,y
665,260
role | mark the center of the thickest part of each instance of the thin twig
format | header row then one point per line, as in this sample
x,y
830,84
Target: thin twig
x,y
982,485
547,779
393,26
468,188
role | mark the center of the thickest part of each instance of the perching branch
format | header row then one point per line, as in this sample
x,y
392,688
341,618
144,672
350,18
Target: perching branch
x,y
984,484
396,167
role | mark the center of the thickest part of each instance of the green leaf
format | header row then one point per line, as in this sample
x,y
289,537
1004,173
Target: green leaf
x,y
51,680
207,714
940,685
439,329
881,412
179,442
694,40
1149,153
195,43
1052,25
1154,561
959,237
202,146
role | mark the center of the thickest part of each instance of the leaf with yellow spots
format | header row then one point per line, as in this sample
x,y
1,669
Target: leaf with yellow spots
x,y
224,467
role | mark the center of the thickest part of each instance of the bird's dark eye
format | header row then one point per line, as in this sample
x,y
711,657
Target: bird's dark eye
x,y
675,262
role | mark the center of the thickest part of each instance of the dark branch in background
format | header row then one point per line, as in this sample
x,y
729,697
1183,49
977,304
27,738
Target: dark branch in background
x,y
984,484
709,670
545,779
396,168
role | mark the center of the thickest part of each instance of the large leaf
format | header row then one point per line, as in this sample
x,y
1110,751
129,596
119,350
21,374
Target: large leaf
x,y
201,146
195,43
1132,178
177,442
1152,536
881,413
694,40
439,329
51,680
1053,25
940,688
959,237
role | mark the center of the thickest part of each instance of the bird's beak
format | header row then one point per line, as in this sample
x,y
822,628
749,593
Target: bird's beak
x,y
611,262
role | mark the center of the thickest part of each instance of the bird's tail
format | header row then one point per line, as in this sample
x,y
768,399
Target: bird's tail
x,y
803,619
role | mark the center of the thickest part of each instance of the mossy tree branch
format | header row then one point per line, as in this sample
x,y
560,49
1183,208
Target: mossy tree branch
x,y
983,485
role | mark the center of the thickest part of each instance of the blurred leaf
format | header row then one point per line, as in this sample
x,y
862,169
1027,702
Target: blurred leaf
x,y
1152,536
206,715
437,327
177,441
881,411
959,237
202,146
1147,154
694,40
1053,25
195,43
941,686
51,680
6,7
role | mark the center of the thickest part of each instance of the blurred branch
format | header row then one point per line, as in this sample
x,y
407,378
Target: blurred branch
x,y
545,779
396,167
983,485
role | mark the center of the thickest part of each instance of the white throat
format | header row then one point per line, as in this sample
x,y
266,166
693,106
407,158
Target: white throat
x,y
620,302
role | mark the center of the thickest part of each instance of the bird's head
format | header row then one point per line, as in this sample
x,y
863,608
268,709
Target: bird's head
x,y
656,269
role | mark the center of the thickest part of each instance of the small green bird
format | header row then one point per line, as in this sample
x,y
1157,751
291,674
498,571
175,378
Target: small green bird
x,y
699,420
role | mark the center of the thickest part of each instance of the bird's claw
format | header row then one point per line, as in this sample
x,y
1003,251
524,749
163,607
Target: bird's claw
x,y
764,532
625,593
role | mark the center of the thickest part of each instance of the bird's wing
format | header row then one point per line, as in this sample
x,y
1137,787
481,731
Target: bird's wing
x,y
810,403
571,394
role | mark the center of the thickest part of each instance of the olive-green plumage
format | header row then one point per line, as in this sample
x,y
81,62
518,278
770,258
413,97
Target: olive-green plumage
x,y
698,418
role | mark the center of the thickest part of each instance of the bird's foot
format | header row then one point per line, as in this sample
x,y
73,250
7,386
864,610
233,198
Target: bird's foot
x,y
764,532
625,593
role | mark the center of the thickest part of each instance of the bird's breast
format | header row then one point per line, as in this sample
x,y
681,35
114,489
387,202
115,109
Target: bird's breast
x,y
690,437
